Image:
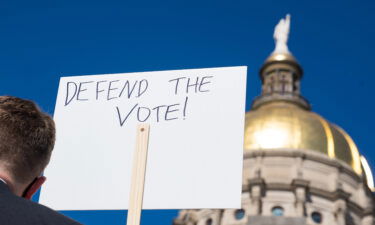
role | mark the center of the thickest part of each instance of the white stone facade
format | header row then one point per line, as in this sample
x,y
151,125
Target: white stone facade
x,y
301,183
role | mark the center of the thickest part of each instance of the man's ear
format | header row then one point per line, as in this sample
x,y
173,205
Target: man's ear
x,y
34,187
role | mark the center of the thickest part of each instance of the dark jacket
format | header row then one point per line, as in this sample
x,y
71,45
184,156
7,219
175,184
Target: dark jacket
x,y
15,210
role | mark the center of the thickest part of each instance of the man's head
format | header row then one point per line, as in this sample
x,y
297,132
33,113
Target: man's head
x,y
27,137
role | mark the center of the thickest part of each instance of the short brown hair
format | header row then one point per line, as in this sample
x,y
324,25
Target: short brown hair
x,y
27,137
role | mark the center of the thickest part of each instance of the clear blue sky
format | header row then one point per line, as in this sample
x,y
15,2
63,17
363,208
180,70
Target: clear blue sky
x,y
41,41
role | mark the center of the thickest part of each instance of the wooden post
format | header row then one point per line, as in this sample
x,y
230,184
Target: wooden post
x,y
138,175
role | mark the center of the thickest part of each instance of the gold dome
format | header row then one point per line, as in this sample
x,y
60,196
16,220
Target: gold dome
x,y
284,125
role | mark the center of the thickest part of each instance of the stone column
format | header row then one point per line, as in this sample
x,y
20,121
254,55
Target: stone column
x,y
300,192
257,189
340,211
340,205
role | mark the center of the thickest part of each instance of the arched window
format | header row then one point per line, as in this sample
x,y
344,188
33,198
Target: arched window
x,y
316,217
239,214
278,211
209,221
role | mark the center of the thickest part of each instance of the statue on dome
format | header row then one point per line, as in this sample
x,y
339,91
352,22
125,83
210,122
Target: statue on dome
x,y
281,35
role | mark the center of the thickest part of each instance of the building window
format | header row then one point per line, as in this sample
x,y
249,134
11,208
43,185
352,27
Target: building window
x,y
239,214
316,217
209,221
277,211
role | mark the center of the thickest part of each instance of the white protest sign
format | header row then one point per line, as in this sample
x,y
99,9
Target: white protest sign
x,y
195,152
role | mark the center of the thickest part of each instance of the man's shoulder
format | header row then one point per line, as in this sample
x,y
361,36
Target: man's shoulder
x,y
50,215
32,213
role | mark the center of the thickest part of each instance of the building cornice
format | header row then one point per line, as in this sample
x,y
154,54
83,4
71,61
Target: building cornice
x,y
306,155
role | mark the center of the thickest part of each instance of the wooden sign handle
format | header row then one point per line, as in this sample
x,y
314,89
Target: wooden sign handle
x,y
138,175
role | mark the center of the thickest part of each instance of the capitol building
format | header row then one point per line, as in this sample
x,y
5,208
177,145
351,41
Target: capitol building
x,y
299,168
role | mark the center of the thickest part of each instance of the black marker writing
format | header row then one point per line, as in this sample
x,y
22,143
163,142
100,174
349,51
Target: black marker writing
x,y
176,85
97,88
203,83
104,90
144,109
69,90
158,113
81,89
185,106
111,89
122,121
127,86
157,108
142,84
191,85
